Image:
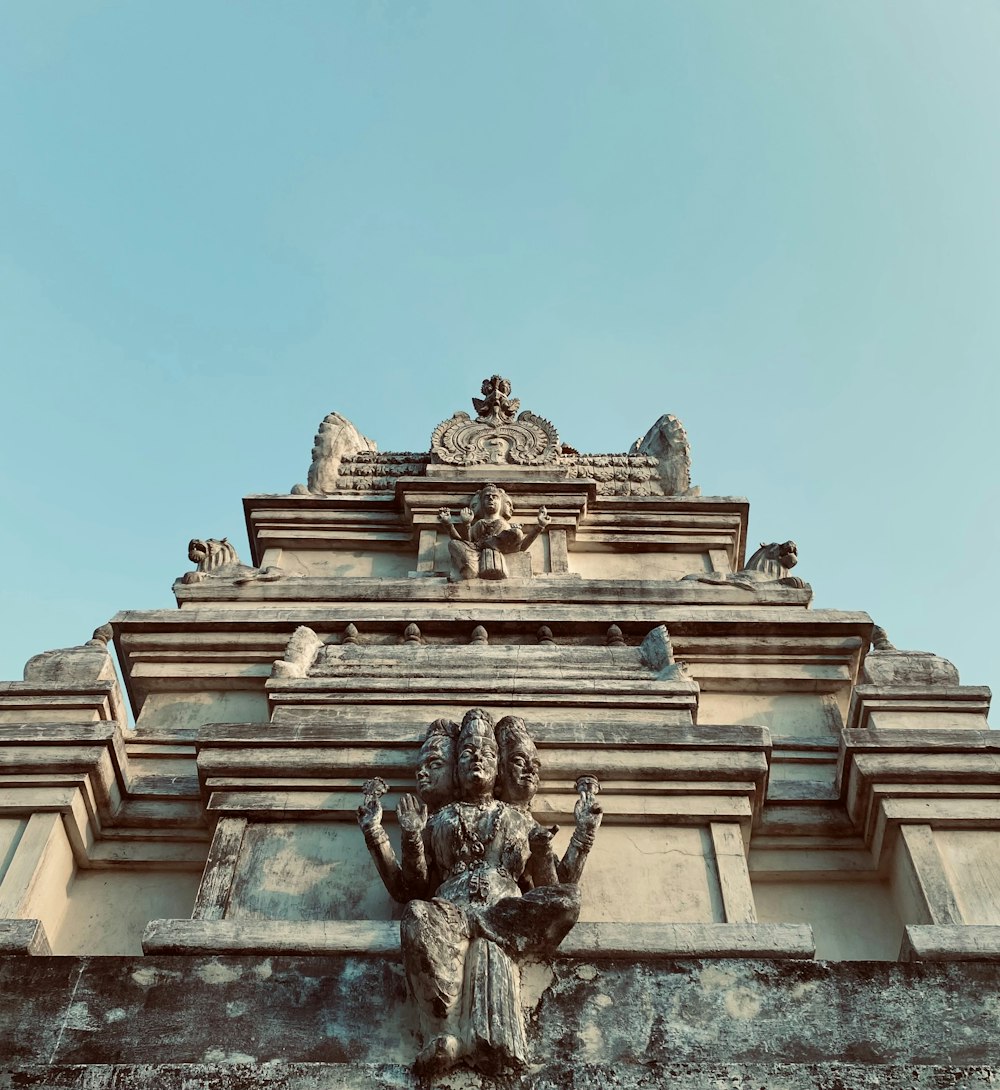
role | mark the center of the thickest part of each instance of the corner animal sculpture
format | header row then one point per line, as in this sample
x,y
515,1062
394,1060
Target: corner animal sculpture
x,y
484,533
769,564
216,558
481,885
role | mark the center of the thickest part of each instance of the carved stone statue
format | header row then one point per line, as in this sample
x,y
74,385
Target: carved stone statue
x,y
216,558
667,442
484,533
86,663
482,886
300,653
769,564
336,440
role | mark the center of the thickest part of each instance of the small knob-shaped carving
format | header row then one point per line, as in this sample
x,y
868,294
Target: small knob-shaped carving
x,y
350,634
411,634
615,637
545,634
480,635
103,634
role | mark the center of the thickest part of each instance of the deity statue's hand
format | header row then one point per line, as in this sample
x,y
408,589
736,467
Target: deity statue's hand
x,y
411,814
588,813
370,814
444,516
540,839
544,518
467,514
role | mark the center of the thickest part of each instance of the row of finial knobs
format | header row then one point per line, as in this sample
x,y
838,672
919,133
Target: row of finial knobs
x,y
411,634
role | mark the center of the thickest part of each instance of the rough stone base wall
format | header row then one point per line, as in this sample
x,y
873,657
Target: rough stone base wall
x,y
305,1023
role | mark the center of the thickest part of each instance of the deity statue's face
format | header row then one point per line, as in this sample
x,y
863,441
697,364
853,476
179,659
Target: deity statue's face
x,y
519,771
477,759
490,502
436,771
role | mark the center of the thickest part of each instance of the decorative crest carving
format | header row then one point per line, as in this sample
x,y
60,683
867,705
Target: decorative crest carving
x,y
496,406
495,437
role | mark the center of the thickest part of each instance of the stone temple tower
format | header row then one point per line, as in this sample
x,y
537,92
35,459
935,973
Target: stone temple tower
x,y
497,764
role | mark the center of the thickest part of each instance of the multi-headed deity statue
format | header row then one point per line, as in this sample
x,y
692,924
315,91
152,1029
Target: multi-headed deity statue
x,y
484,533
481,883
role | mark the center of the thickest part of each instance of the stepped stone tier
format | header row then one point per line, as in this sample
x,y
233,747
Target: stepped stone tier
x,y
498,764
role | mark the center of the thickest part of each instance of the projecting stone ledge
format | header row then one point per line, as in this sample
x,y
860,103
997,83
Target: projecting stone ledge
x,y
583,1076
302,1023
587,941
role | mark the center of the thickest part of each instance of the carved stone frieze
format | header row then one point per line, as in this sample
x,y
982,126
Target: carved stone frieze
x,y
659,464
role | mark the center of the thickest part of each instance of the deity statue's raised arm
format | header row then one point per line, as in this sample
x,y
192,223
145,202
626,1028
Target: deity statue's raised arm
x,y
377,840
588,813
436,786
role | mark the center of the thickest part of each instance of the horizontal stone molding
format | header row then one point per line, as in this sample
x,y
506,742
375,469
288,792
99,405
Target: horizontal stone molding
x,y
919,707
587,941
955,942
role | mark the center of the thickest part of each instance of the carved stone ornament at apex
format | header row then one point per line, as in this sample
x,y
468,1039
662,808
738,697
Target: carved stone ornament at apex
x,y
496,436
344,460
484,533
481,884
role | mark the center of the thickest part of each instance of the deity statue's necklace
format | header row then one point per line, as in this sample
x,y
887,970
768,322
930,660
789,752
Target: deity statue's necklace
x,y
468,831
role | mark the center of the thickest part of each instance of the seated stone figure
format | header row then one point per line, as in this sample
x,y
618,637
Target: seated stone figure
x,y
467,917
484,533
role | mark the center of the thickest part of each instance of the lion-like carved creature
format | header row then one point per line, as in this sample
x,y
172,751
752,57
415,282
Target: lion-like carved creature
x,y
216,558
771,563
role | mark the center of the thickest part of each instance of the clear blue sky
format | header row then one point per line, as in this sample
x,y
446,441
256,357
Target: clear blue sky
x,y
779,221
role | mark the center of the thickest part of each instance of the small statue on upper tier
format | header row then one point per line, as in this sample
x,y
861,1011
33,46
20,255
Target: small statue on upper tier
x,y
485,532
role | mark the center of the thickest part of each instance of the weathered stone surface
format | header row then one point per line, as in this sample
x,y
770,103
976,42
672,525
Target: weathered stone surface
x,y
667,443
163,1010
885,665
585,1076
588,941
23,937
336,440
89,662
